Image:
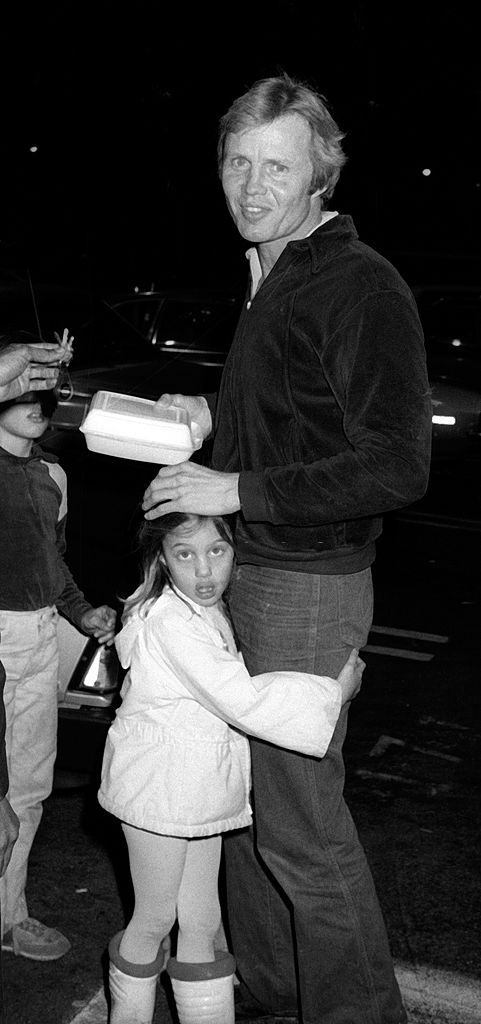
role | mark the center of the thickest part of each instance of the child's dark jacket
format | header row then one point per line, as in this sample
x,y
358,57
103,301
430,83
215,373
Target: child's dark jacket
x,y
33,507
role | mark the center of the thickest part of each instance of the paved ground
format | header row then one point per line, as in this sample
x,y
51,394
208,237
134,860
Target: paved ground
x,y
413,785
430,997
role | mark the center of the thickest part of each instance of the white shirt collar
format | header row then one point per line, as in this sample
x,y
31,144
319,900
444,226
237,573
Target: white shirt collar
x,y
253,256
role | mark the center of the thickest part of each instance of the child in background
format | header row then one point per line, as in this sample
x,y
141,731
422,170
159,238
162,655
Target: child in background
x,y
34,583
21,369
176,767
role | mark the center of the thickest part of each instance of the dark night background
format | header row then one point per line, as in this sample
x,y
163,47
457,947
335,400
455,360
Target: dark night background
x,y
123,104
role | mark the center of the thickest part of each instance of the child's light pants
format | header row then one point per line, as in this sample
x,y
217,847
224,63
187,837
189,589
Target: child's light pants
x,y
29,652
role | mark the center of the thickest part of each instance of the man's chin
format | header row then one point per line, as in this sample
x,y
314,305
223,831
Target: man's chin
x,y
252,231
255,233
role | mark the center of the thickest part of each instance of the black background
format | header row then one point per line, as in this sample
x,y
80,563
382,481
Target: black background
x,y
123,103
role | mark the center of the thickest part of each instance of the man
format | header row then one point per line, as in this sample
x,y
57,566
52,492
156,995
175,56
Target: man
x,y
322,423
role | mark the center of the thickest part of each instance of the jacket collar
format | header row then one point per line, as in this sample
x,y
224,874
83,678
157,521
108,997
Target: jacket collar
x,y
326,241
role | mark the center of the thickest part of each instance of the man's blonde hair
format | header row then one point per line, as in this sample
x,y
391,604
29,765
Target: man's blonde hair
x,y
271,98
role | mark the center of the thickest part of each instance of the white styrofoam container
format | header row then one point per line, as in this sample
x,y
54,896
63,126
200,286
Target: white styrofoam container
x,y
128,427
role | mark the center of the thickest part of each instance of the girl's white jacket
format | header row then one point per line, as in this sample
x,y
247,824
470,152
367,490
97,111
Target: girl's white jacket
x,y
176,759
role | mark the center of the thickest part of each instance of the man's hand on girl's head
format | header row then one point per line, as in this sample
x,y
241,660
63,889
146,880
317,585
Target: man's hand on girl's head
x,y
188,487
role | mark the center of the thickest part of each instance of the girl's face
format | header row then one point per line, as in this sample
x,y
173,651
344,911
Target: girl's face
x,y
199,561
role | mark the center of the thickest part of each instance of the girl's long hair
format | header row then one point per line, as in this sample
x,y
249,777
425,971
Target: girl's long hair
x,y
150,546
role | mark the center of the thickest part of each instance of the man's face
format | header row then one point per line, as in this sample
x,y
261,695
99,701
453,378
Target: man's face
x,y
266,177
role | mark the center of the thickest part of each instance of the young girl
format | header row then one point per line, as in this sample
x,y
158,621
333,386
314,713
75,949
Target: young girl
x,y
176,767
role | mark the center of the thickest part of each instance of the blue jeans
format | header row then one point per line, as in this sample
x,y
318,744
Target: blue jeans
x,y
306,925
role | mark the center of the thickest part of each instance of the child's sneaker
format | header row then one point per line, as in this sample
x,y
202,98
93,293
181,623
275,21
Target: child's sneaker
x,y
35,941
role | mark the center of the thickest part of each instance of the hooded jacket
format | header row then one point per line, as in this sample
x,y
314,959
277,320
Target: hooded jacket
x,y
176,760
324,406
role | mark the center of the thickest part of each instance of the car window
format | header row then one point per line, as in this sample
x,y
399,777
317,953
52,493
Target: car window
x,y
131,331
108,339
140,312
101,335
196,325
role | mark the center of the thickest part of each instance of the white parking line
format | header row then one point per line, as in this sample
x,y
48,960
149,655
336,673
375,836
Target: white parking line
x,y
434,638
398,652
407,634
437,997
94,1012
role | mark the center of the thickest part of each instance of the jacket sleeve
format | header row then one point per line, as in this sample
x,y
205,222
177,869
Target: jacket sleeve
x,y
71,601
3,756
211,400
291,709
375,365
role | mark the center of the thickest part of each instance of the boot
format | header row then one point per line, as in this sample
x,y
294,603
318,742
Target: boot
x,y
133,986
204,993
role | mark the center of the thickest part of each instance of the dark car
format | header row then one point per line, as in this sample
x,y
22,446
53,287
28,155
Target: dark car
x,y
190,322
153,342
184,349
451,317
186,352
169,340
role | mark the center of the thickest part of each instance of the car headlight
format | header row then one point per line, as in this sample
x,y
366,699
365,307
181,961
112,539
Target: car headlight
x,y
444,421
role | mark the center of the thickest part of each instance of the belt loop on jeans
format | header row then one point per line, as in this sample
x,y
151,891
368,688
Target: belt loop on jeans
x,y
47,614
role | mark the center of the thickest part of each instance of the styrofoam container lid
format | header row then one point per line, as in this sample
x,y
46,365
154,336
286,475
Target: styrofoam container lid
x,y
128,427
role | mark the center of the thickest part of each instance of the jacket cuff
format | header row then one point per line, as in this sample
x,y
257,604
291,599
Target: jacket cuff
x,y
75,614
252,496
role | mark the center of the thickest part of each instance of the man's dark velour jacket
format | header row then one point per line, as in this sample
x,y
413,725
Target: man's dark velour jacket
x,y
324,405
